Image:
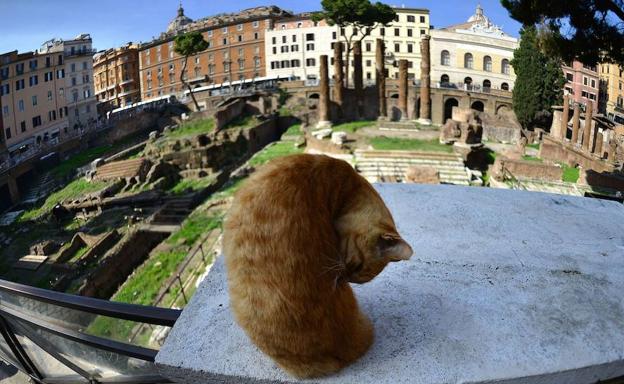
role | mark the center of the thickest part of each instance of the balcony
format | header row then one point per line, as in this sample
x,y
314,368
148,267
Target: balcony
x,y
504,286
80,52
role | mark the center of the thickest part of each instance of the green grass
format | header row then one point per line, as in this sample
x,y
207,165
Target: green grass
x,y
490,157
534,146
230,188
570,174
193,184
83,158
79,253
393,143
192,128
76,188
353,126
285,112
243,122
279,149
293,130
531,158
192,229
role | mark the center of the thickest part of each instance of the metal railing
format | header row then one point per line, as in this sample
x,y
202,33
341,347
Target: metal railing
x,y
55,337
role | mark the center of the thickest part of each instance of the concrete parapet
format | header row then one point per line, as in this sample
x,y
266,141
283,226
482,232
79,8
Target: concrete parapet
x,y
496,292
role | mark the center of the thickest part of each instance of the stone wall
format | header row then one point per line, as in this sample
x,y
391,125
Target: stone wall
x,y
119,263
228,112
555,151
613,181
527,169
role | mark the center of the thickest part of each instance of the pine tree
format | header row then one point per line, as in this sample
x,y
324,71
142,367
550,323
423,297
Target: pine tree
x,y
539,80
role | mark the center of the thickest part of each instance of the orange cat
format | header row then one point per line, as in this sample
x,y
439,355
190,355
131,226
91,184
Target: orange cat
x,y
299,231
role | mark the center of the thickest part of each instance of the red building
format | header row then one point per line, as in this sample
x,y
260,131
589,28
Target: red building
x,y
582,84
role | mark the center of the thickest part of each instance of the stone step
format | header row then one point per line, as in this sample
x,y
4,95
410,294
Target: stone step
x,y
403,167
30,262
405,154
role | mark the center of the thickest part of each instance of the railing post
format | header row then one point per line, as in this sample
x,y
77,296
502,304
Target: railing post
x,y
182,289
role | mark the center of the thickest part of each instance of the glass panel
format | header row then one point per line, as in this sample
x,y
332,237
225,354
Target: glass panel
x,y
116,329
100,363
7,355
47,365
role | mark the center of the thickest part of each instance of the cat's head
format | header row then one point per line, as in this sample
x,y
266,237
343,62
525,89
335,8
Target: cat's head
x,y
369,239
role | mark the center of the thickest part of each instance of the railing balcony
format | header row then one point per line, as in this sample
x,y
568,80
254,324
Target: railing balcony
x,y
58,338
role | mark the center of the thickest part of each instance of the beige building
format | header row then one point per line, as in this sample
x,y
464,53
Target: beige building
x,y
611,94
116,77
46,95
474,55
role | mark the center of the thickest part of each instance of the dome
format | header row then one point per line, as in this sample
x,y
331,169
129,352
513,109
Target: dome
x,y
179,22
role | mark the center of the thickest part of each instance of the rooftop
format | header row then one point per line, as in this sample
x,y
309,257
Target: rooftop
x,y
521,292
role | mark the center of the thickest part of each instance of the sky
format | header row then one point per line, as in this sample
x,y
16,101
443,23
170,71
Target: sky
x,y
26,24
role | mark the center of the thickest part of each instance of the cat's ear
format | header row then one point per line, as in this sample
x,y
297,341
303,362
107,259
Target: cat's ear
x,y
393,247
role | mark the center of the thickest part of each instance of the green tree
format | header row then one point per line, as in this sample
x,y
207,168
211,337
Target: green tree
x,y
590,31
361,15
539,80
186,45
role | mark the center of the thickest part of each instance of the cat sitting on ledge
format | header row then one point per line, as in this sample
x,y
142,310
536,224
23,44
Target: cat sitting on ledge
x,y
300,230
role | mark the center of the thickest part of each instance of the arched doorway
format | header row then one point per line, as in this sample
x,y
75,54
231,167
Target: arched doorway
x,y
478,106
505,87
315,96
468,81
487,84
444,80
448,108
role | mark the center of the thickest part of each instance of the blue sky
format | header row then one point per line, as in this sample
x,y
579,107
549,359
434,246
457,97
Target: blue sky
x,y
28,23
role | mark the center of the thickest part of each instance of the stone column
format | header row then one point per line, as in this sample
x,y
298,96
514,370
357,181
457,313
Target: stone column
x,y
338,74
403,89
380,67
358,79
576,121
425,81
588,126
324,97
598,144
565,117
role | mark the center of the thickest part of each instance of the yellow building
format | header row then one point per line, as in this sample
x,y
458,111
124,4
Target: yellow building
x,y
611,100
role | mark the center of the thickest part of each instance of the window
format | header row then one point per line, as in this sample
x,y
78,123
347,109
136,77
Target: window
x,y
468,61
445,58
593,83
410,48
256,35
34,101
73,81
257,62
487,83
369,47
274,50
422,19
73,67
422,32
239,27
19,84
19,68
444,79
20,105
487,64
397,47
84,65
36,121
411,18
86,93
310,62
585,80
49,95
32,64
5,110
225,41
369,63
225,30
23,126
284,39
295,63
60,74
397,32
294,48
382,31
255,24
569,77
7,133
4,89
310,47
240,38
284,49
241,64
410,32
309,36
505,66
48,62
75,96
505,87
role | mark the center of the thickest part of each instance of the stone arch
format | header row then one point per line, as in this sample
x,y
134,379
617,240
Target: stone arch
x,y
487,83
448,107
478,105
394,96
444,79
503,108
468,80
314,96
505,87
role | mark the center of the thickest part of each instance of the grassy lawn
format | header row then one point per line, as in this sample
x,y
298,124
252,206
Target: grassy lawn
x,y
293,130
242,122
532,158
534,146
193,184
81,159
279,149
76,188
192,229
570,174
229,189
353,126
393,143
192,128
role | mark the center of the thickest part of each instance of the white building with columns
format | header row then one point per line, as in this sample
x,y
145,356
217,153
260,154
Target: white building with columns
x,y
476,54
294,45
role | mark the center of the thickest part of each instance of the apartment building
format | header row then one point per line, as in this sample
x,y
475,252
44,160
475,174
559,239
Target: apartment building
x,y
475,54
611,91
235,51
116,77
310,40
582,83
32,92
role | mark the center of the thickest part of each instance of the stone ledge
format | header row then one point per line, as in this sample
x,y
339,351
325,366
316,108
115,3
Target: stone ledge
x,y
504,287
